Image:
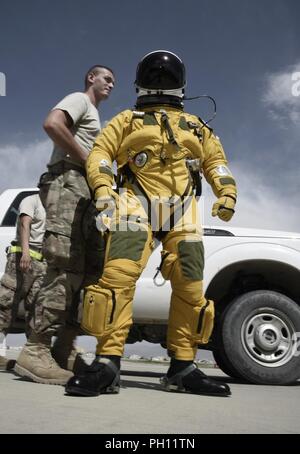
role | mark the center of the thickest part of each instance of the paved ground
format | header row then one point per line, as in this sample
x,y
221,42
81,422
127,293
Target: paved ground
x,y
143,408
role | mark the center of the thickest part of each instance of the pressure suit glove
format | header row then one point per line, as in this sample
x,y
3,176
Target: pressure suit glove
x,y
106,197
224,207
107,201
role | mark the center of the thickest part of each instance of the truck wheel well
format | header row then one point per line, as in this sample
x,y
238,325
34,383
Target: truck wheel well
x,y
246,276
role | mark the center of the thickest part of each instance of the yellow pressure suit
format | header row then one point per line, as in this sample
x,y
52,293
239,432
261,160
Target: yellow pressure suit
x,y
151,149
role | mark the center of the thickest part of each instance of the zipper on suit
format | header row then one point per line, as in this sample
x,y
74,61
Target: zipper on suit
x,y
201,315
114,302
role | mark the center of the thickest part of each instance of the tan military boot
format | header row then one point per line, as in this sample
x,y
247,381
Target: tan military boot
x,y
35,362
64,350
6,364
3,362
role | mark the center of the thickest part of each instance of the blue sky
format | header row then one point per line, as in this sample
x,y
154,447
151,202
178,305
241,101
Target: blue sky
x,y
242,52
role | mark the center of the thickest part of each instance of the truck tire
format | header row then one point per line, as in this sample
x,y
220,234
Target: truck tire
x,y
219,353
224,364
260,335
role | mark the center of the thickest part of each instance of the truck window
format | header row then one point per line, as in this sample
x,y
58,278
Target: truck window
x,y
10,218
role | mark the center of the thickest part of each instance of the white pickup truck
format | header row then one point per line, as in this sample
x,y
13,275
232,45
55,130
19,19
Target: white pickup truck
x,y
254,278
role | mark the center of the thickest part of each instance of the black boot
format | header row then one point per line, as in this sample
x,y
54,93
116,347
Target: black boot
x,y
184,376
103,376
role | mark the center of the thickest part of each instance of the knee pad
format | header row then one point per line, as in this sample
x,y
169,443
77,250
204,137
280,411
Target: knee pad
x,y
187,264
128,244
191,259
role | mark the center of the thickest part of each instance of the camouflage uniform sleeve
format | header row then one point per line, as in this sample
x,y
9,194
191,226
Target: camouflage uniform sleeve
x,y
215,167
105,151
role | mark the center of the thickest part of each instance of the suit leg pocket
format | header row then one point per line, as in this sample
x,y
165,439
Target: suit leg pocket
x,y
98,310
205,322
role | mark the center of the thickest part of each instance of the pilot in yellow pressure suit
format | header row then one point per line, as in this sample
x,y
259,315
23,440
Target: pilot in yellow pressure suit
x,y
159,150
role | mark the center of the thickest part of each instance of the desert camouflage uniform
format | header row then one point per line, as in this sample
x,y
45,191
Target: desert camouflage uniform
x,y
70,224
17,286
71,236
70,233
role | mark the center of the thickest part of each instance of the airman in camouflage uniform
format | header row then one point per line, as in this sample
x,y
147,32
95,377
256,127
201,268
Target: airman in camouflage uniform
x,y
70,233
24,269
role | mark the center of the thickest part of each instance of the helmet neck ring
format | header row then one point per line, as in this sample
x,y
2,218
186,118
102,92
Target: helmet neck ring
x,y
155,100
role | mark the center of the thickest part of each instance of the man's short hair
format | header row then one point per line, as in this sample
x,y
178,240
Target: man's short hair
x,y
95,69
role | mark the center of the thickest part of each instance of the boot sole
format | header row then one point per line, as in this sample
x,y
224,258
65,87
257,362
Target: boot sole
x,y
19,370
177,389
73,391
197,393
9,365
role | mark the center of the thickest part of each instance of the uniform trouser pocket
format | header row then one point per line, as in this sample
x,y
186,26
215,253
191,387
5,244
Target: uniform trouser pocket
x,y
12,274
63,252
204,322
98,310
50,187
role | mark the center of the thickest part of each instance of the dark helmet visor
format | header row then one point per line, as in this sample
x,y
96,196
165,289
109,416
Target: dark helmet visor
x,y
160,70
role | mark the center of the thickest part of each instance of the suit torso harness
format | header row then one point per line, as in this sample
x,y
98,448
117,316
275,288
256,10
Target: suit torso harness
x,y
162,156
161,144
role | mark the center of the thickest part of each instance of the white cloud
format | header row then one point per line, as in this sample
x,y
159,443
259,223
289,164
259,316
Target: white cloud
x,y
21,166
259,205
282,95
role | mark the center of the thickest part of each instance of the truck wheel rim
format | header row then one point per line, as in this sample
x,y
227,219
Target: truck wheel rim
x,y
267,337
